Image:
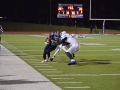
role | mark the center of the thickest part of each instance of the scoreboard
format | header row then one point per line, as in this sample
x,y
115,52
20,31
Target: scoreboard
x,y
70,11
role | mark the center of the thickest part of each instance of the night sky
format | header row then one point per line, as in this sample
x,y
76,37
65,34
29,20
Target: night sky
x,y
32,8
38,11
107,9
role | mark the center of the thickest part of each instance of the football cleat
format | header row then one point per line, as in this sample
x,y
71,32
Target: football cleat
x,y
45,60
72,63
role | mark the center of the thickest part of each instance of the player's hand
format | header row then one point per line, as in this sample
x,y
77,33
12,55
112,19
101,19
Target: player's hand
x,y
46,43
51,59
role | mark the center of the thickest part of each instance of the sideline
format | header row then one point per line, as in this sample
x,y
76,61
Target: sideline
x,y
15,74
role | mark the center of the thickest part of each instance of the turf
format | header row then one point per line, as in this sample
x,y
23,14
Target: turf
x,y
98,61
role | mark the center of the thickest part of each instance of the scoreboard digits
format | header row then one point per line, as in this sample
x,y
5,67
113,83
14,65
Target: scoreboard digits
x,y
70,11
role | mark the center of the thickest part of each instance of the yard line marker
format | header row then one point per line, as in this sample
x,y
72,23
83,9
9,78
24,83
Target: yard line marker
x,y
81,50
69,82
30,59
52,62
97,54
78,87
35,60
93,44
47,69
62,78
43,66
117,49
87,55
95,50
38,64
116,62
86,75
31,50
52,71
99,46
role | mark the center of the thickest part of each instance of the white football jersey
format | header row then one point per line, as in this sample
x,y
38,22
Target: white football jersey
x,y
70,39
66,35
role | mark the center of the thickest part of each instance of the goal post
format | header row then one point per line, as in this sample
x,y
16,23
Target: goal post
x,y
103,19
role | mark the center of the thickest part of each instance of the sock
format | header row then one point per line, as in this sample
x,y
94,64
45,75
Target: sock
x,y
69,55
72,60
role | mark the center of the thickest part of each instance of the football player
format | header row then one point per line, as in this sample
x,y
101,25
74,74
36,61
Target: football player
x,y
1,29
51,45
72,44
63,47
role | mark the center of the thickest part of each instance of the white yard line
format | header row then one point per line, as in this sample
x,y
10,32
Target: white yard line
x,y
80,50
86,75
62,78
116,62
83,87
47,69
52,72
44,66
68,82
86,55
36,63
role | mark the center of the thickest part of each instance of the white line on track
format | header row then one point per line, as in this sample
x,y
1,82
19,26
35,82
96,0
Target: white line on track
x,y
86,75
78,87
69,82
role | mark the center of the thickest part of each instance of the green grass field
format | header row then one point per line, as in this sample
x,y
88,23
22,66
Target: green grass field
x,y
98,61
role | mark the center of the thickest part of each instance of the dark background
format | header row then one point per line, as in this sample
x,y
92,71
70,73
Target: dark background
x,y
45,12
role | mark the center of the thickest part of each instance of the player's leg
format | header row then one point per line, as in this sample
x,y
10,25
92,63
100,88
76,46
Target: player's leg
x,y
73,55
48,48
72,61
45,53
70,53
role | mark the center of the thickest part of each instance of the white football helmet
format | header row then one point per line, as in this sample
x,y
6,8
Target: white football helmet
x,y
63,32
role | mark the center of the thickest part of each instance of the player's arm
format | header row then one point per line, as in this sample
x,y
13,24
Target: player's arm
x,y
82,36
62,41
57,51
47,40
60,47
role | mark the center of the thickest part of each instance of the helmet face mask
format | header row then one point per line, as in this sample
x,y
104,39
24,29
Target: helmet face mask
x,y
63,33
56,35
